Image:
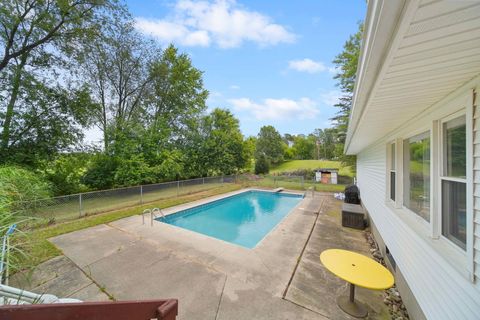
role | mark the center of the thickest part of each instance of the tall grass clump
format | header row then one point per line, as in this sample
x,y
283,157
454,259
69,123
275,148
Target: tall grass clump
x,y
18,190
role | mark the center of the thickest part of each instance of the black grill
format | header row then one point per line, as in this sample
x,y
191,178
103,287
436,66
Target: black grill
x,y
352,194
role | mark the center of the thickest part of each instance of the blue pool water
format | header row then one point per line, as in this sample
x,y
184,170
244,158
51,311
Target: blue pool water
x,y
243,219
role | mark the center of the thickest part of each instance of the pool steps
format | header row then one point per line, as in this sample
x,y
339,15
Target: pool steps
x,y
155,213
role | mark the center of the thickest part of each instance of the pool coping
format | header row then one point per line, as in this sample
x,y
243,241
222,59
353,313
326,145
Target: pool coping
x,y
198,203
234,275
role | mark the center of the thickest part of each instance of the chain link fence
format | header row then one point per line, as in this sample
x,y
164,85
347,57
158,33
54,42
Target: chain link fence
x,y
295,182
273,181
70,207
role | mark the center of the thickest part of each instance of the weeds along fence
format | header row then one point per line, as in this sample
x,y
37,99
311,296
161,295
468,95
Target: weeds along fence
x,y
273,181
295,182
70,207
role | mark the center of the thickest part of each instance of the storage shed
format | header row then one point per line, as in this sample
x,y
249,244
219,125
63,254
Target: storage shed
x,y
327,175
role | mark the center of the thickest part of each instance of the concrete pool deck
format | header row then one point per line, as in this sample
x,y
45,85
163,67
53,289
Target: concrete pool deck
x,y
281,278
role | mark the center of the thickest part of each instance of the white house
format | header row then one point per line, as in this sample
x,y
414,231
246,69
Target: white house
x,y
415,128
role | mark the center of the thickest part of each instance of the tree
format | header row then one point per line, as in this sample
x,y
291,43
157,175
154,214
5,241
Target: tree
x,y
178,96
270,144
346,63
174,106
223,147
100,173
117,65
327,140
32,34
29,25
48,120
304,147
262,165
249,151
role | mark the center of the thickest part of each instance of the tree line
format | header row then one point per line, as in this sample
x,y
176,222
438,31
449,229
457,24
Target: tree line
x,y
70,66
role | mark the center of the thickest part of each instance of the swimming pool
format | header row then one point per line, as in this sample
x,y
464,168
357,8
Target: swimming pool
x,y
243,219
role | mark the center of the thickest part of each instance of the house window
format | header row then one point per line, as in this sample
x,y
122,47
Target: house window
x,y
392,172
416,175
453,181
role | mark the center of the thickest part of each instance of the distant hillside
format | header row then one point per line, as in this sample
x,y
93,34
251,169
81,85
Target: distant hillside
x,y
294,165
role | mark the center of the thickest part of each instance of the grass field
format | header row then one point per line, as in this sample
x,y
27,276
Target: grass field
x,y
293,165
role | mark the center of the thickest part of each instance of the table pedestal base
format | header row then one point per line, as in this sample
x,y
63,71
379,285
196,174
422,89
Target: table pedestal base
x,y
355,309
350,306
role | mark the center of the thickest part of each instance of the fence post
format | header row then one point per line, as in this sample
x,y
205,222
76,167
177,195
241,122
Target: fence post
x,y
203,178
222,178
141,194
178,187
302,181
80,205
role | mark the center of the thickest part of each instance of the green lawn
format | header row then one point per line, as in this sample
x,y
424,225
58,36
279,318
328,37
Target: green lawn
x,y
294,165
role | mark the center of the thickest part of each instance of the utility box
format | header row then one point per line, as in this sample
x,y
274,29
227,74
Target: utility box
x,y
353,216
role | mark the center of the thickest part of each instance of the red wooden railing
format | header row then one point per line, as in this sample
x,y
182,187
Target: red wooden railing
x,y
121,310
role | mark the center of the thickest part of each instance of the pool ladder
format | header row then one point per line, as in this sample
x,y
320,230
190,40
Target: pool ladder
x,y
154,213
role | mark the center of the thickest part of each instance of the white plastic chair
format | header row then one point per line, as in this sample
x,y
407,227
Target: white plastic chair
x,y
13,296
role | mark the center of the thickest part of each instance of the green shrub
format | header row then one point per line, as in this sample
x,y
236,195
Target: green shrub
x,y
262,165
66,172
100,172
18,189
18,185
133,172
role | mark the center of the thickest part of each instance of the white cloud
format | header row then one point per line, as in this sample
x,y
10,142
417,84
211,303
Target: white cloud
x,y
333,70
234,87
222,22
307,65
277,109
331,98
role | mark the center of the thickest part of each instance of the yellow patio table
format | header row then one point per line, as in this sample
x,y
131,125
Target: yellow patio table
x,y
357,270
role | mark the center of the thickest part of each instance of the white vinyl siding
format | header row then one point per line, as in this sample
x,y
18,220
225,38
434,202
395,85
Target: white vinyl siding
x,y
441,291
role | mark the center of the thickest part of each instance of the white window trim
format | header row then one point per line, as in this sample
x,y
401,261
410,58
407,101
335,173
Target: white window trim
x,y
426,225
399,166
439,176
389,170
470,160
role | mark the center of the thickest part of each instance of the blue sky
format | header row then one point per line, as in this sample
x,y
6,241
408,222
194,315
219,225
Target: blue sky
x,y
269,62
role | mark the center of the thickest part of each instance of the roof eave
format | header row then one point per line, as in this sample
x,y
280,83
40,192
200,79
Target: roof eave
x,y
383,17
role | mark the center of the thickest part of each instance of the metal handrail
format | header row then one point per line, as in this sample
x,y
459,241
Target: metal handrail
x,y
146,211
154,214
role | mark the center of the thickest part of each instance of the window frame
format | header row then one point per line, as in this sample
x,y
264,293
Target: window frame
x,y
440,176
427,225
391,158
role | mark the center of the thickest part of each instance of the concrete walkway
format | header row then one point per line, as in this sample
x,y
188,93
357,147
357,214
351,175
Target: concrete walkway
x,y
314,287
281,278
